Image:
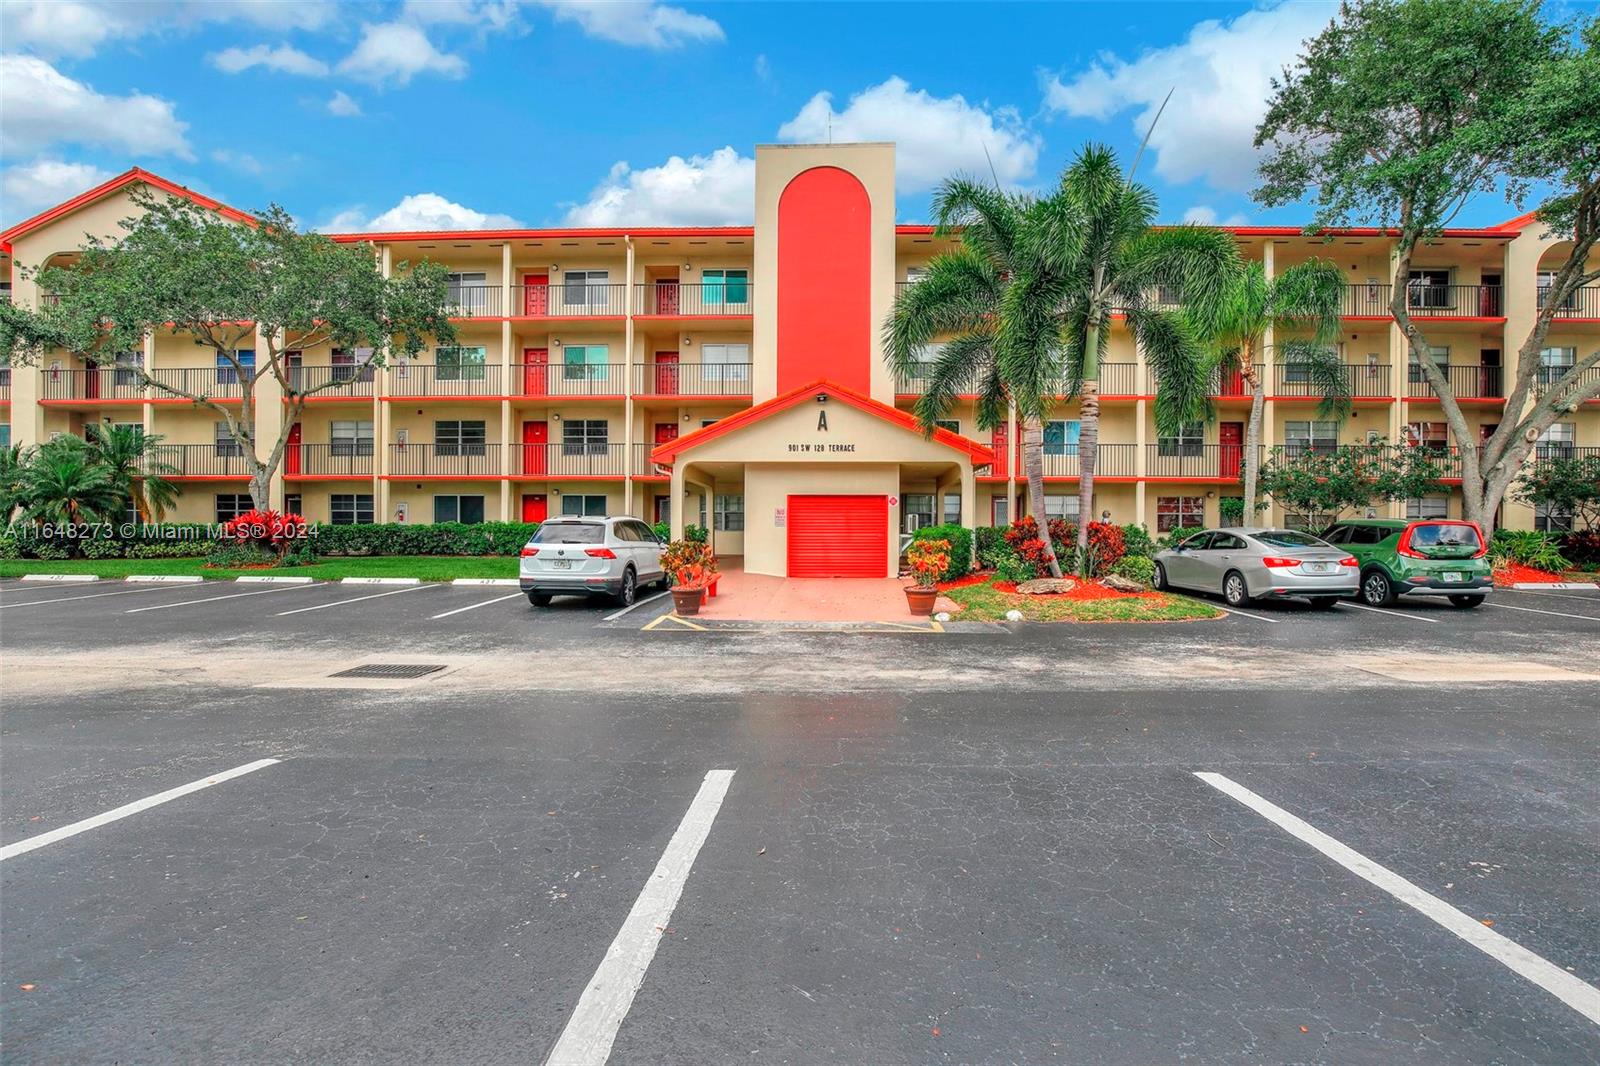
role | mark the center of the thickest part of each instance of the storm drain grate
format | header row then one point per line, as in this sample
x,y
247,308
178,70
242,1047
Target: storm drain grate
x,y
392,671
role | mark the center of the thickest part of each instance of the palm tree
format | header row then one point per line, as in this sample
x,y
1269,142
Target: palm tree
x,y
12,462
961,295
137,469
62,483
1306,296
1091,251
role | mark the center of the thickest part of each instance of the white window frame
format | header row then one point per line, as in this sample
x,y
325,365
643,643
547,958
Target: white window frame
x,y
1428,508
458,497
727,512
349,512
583,501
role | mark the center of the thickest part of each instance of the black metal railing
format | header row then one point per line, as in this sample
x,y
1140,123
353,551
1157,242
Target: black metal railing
x,y
696,298
335,380
642,466
1110,460
571,379
583,300
220,459
1363,381
215,383
1550,450
1230,383
475,301
444,460
102,383
431,379
566,460
1546,376
1467,382
344,459
692,379
1182,459
1581,303
1369,300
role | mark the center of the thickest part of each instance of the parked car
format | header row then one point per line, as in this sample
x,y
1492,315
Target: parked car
x,y
590,555
1246,564
1437,557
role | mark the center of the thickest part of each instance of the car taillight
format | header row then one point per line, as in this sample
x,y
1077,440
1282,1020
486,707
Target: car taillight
x,y
600,553
1279,560
528,553
1483,544
1349,560
1404,547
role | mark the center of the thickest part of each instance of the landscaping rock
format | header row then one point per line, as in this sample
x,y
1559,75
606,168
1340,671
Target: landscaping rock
x,y
1118,583
1044,586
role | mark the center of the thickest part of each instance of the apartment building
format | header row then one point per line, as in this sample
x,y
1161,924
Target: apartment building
x,y
733,377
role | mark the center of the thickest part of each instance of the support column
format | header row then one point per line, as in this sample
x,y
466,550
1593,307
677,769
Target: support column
x,y
677,488
628,383
1140,456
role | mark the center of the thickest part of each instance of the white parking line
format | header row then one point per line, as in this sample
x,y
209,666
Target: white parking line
x,y
637,603
1580,595
358,599
24,846
1535,610
1243,614
593,1026
1573,991
1409,616
214,599
475,606
91,596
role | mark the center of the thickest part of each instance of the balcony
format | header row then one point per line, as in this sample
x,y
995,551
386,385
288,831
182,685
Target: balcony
x,y
1111,460
572,379
444,460
1546,377
569,301
695,300
1229,384
1467,382
555,462
215,383
5,384
350,459
474,301
1363,381
1426,301
433,380
200,460
1584,304
642,466
333,382
102,385
1199,462
1119,379
692,379
1551,450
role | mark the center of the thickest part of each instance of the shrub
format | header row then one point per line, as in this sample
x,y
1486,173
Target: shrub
x,y
1014,570
684,560
1106,547
267,530
1582,547
697,534
1527,547
1230,511
1136,539
1179,535
441,538
991,546
960,538
232,554
929,561
1140,568
662,530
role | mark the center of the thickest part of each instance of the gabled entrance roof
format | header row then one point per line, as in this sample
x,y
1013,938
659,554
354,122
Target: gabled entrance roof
x,y
133,176
667,453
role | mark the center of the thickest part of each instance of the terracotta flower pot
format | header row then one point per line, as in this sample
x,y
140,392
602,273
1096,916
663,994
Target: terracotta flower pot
x,y
920,600
687,601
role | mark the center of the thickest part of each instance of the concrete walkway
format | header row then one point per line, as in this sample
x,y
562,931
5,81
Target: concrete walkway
x,y
758,597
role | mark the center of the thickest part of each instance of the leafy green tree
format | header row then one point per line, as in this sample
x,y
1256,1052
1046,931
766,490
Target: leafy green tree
x,y
137,468
1398,114
961,296
1089,251
1350,476
1307,296
1569,484
62,483
12,462
263,286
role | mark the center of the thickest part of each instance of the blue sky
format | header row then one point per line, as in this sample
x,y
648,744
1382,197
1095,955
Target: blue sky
x,y
473,113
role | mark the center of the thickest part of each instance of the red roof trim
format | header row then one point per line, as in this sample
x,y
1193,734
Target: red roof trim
x,y
132,176
547,234
667,452
1353,231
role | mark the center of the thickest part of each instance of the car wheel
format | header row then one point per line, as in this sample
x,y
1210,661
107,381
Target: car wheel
x,y
1465,601
1376,589
539,599
629,590
1234,589
1324,603
1159,578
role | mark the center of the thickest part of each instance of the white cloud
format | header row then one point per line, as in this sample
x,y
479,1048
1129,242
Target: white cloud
x,y
42,107
1222,73
639,23
488,15
1206,215
392,53
283,59
27,189
934,136
703,190
79,27
418,212
243,162
341,104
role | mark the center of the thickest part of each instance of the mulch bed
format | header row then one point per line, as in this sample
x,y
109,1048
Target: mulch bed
x,y
963,582
1513,573
1084,590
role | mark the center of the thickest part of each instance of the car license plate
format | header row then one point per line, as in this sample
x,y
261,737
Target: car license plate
x,y
1318,568
1452,576
562,564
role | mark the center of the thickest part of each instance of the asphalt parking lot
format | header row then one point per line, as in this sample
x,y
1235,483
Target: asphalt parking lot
x,y
582,838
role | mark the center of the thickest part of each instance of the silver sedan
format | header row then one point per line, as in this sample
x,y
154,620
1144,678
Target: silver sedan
x,y
1248,564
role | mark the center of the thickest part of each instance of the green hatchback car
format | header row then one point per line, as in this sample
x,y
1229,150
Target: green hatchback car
x,y
1438,557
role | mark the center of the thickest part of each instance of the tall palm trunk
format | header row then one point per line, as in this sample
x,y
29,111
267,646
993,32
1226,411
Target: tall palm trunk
x,y
1088,435
1033,470
1252,434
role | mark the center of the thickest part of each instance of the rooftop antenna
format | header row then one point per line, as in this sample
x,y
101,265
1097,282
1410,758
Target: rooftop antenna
x,y
1140,153
990,160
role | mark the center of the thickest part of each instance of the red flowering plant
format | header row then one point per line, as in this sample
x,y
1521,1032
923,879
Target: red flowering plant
x,y
1023,537
1106,548
928,559
261,537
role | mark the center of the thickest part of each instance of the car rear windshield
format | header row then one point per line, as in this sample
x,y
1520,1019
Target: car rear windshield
x,y
570,533
1445,535
1289,538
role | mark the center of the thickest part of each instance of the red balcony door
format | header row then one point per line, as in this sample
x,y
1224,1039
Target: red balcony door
x,y
535,295
1232,383
667,296
666,431
535,436
1002,452
1230,454
667,373
291,452
535,371
535,508
91,381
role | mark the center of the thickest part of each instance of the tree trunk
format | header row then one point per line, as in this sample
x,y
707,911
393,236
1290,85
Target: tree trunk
x,y
1088,453
1252,436
261,489
1033,469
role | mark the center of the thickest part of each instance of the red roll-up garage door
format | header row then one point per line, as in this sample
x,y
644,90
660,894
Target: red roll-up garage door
x,y
838,536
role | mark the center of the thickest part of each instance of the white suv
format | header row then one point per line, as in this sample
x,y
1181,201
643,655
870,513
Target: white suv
x,y
579,556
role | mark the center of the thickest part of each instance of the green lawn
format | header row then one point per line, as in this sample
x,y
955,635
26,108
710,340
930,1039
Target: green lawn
x,y
985,603
427,567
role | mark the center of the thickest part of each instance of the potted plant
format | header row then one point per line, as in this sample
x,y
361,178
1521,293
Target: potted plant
x,y
928,559
689,588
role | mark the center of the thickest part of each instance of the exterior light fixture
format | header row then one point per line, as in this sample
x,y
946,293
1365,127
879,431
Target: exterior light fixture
x,y
822,397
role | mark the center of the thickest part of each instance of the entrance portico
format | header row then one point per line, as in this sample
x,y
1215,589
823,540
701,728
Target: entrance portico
x,y
823,473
